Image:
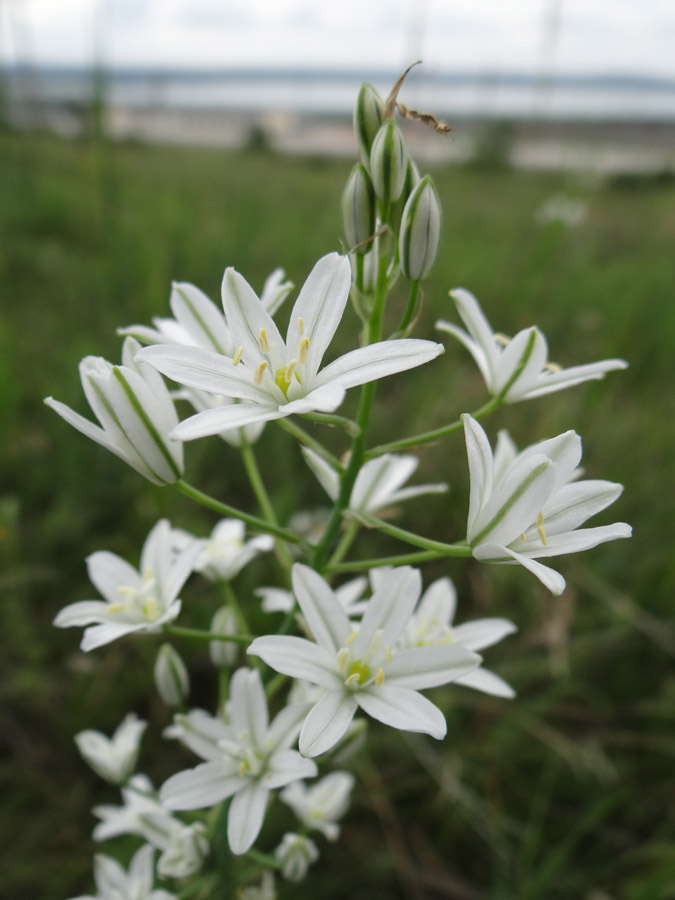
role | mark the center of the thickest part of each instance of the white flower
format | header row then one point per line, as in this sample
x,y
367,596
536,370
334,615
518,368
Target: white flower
x,y
113,883
516,369
135,411
378,484
172,679
322,804
224,653
362,668
184,847
348,595
225,552
134,600
432,624
263,891
527,505
295,854
245,759
113,758
273,378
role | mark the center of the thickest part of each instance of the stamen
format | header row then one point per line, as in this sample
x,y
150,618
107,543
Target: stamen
x,y
387,654
540,529
243,766
502,339
262,340
350,638
290,368
258,375
342,658
353,679
115,608
303,350
522,536
379,678
553,367
301,326
236,359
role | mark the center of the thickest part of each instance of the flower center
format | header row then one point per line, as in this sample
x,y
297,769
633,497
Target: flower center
x,y
139,603
358,673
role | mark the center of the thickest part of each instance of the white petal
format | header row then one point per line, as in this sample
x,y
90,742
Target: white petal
x,y
401,708
298,658
327,621
389,609
98,635
498,554
201,318
482,633
325,398
377,361
556,381
473,348
426,667
326,475
327,722
576,541
379,479
224,418
275,290
438,602
527,349
287,766
141,872
245,817
201,732
248,706
479,329
109,572
205,785
246,318
484,680
85,612
564,450
286,725
574,503
479,455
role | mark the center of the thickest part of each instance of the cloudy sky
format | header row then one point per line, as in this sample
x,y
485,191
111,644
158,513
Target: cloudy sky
x,y
618,36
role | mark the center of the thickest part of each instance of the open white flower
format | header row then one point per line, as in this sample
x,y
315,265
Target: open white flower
x,y
113,758
362,668
134,600
432,624
113,883
135,411
378,484
349,595
225,552
518,368
245,759
273,378
320,805
528,505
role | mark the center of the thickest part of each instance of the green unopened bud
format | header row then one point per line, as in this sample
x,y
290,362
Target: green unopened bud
x,y
420,231
223,653
358,209
388,162
368,116
171,676
412,179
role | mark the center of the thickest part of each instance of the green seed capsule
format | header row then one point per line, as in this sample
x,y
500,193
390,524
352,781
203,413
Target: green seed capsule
x,y
388,162
420,231
368,116
171,676
358,209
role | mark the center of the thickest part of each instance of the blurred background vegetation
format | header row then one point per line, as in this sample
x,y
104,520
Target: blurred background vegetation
x,y
562,793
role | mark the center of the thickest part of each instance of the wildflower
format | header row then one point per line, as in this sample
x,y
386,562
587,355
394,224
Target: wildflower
x,y
348,596
320,805
516,369
135,411
113,883
528,505
420,231
245,759
362,668
378,484
134,600
225,552
295,854
224,653
114,759
273,379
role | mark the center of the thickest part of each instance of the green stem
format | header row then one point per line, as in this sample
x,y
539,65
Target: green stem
x,y
252,521
306,439
254,476
264,859
410,308
404,559
349,426
360,262
346,541
202,635
409,537
429,436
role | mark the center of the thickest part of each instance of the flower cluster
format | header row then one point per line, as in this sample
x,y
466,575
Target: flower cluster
x,y
333,658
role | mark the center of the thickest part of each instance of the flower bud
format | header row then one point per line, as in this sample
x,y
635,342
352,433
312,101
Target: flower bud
x,y
368,116
358,209
171,677
295,854
388,162
223,653
420,231
412,179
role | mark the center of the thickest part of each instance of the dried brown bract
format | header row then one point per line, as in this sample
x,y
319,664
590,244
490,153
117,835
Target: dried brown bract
x,y
412,115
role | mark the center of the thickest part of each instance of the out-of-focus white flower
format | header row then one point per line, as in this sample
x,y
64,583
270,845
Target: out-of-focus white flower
x,y
348,594
134,600
224,653
245,759
274,378
135,412
225,552
113,758
378,484
432,624
516,369
171,676
295,854
114,883
362,668
263,891
528,505
320,805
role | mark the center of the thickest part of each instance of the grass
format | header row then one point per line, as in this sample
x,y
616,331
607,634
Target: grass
x,y
561,794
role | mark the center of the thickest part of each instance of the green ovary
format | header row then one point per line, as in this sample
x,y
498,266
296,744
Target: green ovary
x,y
361,670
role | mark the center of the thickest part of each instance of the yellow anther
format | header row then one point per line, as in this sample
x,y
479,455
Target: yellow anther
x,y
115,608
353,679
243,766
259,372
262,340
540,529
303,350
502,339
151,609
351,638
553,367
522,536
379,678
301,326
290,368
236,359
387,654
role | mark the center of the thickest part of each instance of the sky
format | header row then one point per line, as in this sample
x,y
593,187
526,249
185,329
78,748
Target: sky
x,y
593,36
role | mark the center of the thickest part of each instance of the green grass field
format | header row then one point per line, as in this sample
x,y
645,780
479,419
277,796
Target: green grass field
x,y
561,794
